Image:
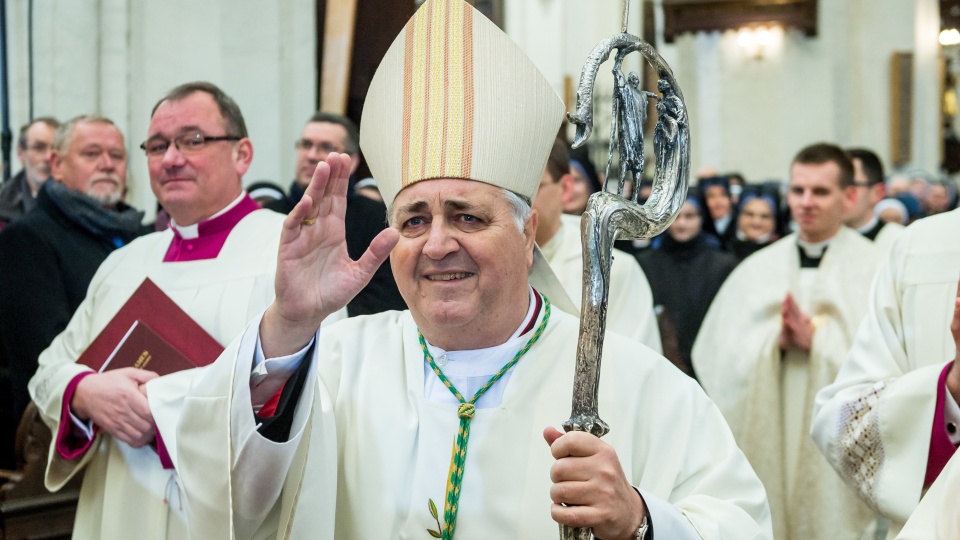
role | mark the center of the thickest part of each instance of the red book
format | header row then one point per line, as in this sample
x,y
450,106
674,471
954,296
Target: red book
x,y
152,323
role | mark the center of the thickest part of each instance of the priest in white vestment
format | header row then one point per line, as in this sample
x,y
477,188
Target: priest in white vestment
x,y
888,424
482,362
777,332
216,262
630,308
869,179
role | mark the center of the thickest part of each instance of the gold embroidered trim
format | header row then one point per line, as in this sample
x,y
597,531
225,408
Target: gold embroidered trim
x,y
859,443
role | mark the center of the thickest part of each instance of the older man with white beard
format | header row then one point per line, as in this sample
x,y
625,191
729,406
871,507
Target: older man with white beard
x,y
49,256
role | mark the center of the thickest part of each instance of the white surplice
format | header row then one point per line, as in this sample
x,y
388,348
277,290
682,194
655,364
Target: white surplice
x,y
126,490
935,518
874,422
766,394
630,307
379,450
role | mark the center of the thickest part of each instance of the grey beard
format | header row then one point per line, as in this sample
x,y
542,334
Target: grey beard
x,y
106,200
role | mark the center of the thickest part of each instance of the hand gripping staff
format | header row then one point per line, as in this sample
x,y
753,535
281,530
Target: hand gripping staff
x,y
609,217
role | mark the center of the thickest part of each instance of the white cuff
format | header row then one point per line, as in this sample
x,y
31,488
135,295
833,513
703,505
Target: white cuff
x,y
269,375
87,427
666,520
951,415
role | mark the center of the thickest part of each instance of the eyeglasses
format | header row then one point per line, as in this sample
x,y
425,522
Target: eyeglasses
x,y
188,143
322,146
40,148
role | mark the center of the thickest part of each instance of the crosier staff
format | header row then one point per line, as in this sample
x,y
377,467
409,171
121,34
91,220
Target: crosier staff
x,y
609,216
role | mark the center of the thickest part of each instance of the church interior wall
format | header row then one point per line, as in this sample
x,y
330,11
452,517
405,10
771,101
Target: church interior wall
x,y
116,57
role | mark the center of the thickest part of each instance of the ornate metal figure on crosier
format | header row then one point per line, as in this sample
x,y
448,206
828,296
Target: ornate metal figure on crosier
x,y
609,217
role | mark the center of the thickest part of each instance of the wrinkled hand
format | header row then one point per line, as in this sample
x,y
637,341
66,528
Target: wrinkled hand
x,y
953,376
315,274
590,488
116,403
797,330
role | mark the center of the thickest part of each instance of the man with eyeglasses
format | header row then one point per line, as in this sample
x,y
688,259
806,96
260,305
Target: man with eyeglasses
x,y
34,146
871,189
216,261
325,133
49,255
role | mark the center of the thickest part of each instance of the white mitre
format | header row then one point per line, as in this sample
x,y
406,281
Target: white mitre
x,y
454,97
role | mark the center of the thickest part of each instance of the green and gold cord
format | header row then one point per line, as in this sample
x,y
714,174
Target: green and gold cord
x,y
465,413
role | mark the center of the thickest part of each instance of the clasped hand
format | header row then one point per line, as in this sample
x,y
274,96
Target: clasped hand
x,y
797,330
116,401
590,489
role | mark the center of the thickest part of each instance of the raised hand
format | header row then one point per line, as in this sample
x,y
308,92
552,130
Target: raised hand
x,y
315,275
590,488
953,377
115,403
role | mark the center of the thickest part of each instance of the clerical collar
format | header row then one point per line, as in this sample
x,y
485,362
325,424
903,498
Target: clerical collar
x,y
189,232
811,253
721,224
470,369
869,226
205,239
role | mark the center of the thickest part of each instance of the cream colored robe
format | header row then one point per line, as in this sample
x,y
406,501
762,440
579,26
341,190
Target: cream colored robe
x,y
378,449
630,307
873,423
124,488
738,360
935,518
887,236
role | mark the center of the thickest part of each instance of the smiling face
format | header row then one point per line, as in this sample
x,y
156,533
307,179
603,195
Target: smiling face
x,y
461,263
756,220
718,201
196,185
687,225
816,200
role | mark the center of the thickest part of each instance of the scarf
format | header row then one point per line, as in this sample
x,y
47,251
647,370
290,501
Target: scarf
x,y
119,226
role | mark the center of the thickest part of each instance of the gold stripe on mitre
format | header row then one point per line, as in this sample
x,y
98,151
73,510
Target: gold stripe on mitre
x,y
454,97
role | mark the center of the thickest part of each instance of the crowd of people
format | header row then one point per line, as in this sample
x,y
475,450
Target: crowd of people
x,y
400,350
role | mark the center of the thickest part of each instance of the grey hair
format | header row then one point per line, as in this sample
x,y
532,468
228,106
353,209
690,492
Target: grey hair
x,y
519,207
64,134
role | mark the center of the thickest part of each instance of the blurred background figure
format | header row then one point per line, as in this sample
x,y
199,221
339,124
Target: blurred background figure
x,y
737,183
870,189
891,211
34,148
940,198
264,192
368,188
586,181
756,224
720,220
685,272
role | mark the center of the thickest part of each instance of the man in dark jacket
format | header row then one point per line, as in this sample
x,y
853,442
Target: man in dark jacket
x,y
325,133
34,145
49,256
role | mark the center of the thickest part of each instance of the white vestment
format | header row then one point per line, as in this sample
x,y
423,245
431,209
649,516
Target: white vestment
x,y
874,422
630,307
935,518
766,394
125,490
887,236
379,450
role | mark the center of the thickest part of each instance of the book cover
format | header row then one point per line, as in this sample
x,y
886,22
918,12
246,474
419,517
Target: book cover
x,y
142,348
150,307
